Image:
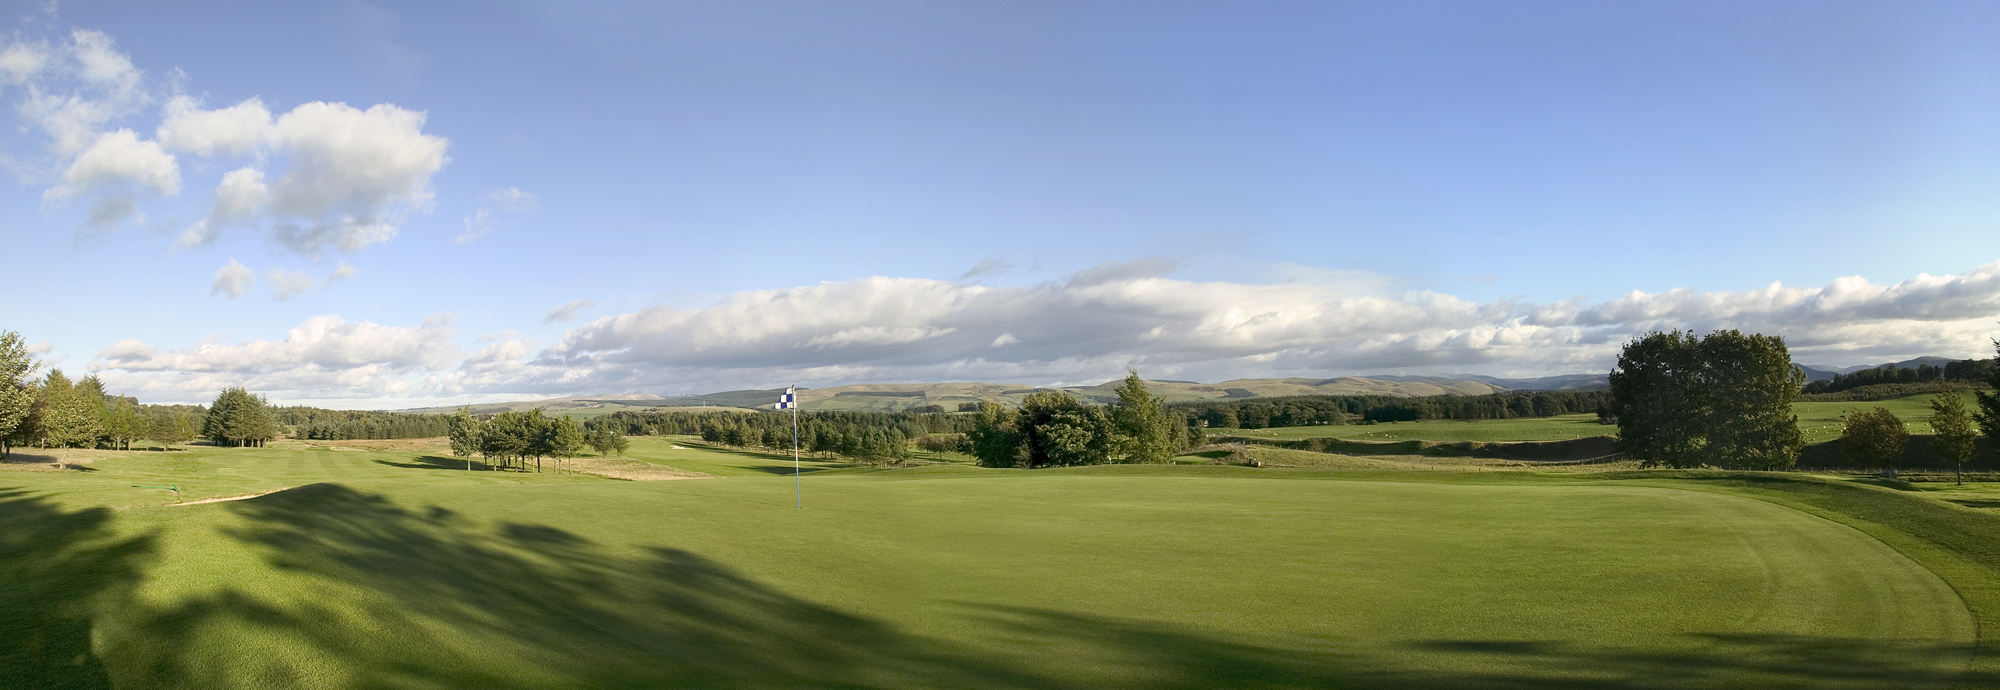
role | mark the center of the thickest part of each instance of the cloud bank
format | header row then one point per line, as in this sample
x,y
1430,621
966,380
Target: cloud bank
x,y
1086,328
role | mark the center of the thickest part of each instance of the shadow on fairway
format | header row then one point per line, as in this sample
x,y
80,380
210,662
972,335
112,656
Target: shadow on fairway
x,y
433,462
454,603
54,565
430,598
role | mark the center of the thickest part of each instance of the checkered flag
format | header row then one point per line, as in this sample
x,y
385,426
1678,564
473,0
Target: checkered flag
x,y
790,399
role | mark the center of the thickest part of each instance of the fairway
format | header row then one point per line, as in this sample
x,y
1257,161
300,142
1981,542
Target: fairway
x,y
397,573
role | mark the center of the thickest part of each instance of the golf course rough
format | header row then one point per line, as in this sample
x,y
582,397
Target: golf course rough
x,y
381,569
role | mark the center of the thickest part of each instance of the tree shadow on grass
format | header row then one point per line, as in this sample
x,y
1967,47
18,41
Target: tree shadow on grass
x,y
54,566
451,603
429,598
432,462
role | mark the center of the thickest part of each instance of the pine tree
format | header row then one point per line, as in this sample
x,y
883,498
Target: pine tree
x,y
91,390
17,393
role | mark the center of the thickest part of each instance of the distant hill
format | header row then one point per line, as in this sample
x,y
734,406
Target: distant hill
x,y
1822,373
1566,382
574,402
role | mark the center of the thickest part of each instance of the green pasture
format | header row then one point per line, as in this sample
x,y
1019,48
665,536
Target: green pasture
x,y
388,569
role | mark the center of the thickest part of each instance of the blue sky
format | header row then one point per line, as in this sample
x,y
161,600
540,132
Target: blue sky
x,y
361,205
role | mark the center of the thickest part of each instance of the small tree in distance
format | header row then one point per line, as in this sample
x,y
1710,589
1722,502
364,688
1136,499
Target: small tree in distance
x,y
1989,406
1874,438
1955,436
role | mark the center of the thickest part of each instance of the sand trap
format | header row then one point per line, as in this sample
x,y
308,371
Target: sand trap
x,y
228,498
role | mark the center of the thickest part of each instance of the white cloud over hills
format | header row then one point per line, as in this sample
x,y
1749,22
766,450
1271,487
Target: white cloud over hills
x,y
1086,328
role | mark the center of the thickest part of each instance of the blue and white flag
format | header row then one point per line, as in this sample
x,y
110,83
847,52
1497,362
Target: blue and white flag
x,y
790,399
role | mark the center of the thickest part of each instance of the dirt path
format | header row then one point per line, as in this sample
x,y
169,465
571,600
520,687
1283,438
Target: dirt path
x,y
220,499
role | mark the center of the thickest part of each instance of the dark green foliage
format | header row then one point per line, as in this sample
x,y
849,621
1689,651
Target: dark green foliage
x,y
605,439
1059,430
1884,391
1989,407
1683,401
1872,439
238,418
996,437
1313,410
67,418
844,433
1967,370
343,425
17,393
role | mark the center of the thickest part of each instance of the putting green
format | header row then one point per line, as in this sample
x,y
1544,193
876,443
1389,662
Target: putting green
x,y
405,575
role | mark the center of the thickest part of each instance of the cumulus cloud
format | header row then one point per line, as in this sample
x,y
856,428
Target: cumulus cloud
x,y
233,131
115,167
326,356
232,280
1089,330
569,311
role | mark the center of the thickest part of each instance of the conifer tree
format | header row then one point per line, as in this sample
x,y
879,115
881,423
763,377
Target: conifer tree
x,y
1989,406
90,389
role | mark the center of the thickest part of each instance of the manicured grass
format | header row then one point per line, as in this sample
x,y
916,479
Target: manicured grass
x,y
401,572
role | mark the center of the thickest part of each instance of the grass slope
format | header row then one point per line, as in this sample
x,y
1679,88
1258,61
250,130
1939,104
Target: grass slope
x,y
383,569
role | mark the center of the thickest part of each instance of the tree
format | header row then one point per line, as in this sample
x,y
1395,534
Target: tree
x,y
995,436
466,435
124,422
240,419
67,418
1685,401
1057,429
1145,434
17,393
508,436
1955,436
170,426
604,438
90,389
563,439
1874,438
1989,406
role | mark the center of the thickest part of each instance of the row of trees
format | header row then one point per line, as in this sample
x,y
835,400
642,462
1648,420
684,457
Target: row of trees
x,y
345,425
1261,413
1054,428
513,438
53,412
1965,370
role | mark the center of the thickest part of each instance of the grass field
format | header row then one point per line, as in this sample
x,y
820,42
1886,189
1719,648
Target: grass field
x,y
383,567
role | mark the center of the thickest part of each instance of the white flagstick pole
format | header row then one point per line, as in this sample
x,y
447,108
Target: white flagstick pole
x,y
798,487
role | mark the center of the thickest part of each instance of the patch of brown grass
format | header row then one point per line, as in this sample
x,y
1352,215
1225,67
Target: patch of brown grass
x,y
431,446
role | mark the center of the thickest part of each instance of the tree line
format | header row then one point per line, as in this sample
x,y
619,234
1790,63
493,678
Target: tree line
x,y
346,425
53,412
873,436
508,440
1965,370
1311,410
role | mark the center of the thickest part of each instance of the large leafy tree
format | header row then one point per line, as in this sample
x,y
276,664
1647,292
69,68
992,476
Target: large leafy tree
x,y
1686,401
467,435
17,393
1955,436
67,419
1145,432
1058,429
1873,439
996,436
170,426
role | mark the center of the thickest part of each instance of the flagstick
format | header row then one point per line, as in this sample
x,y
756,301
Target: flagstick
x,y
798,487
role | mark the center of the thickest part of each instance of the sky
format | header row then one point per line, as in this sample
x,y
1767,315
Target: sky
x,y
361,205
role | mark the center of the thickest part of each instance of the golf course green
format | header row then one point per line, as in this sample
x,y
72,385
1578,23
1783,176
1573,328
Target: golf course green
x,y
398,568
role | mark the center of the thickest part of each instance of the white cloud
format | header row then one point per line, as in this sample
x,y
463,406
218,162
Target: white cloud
x,y
1074,330
232,280
326,356
22,61
75,88
119,157
569,311
233,131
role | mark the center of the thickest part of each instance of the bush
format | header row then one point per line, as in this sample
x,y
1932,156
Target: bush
x,y
1874,438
